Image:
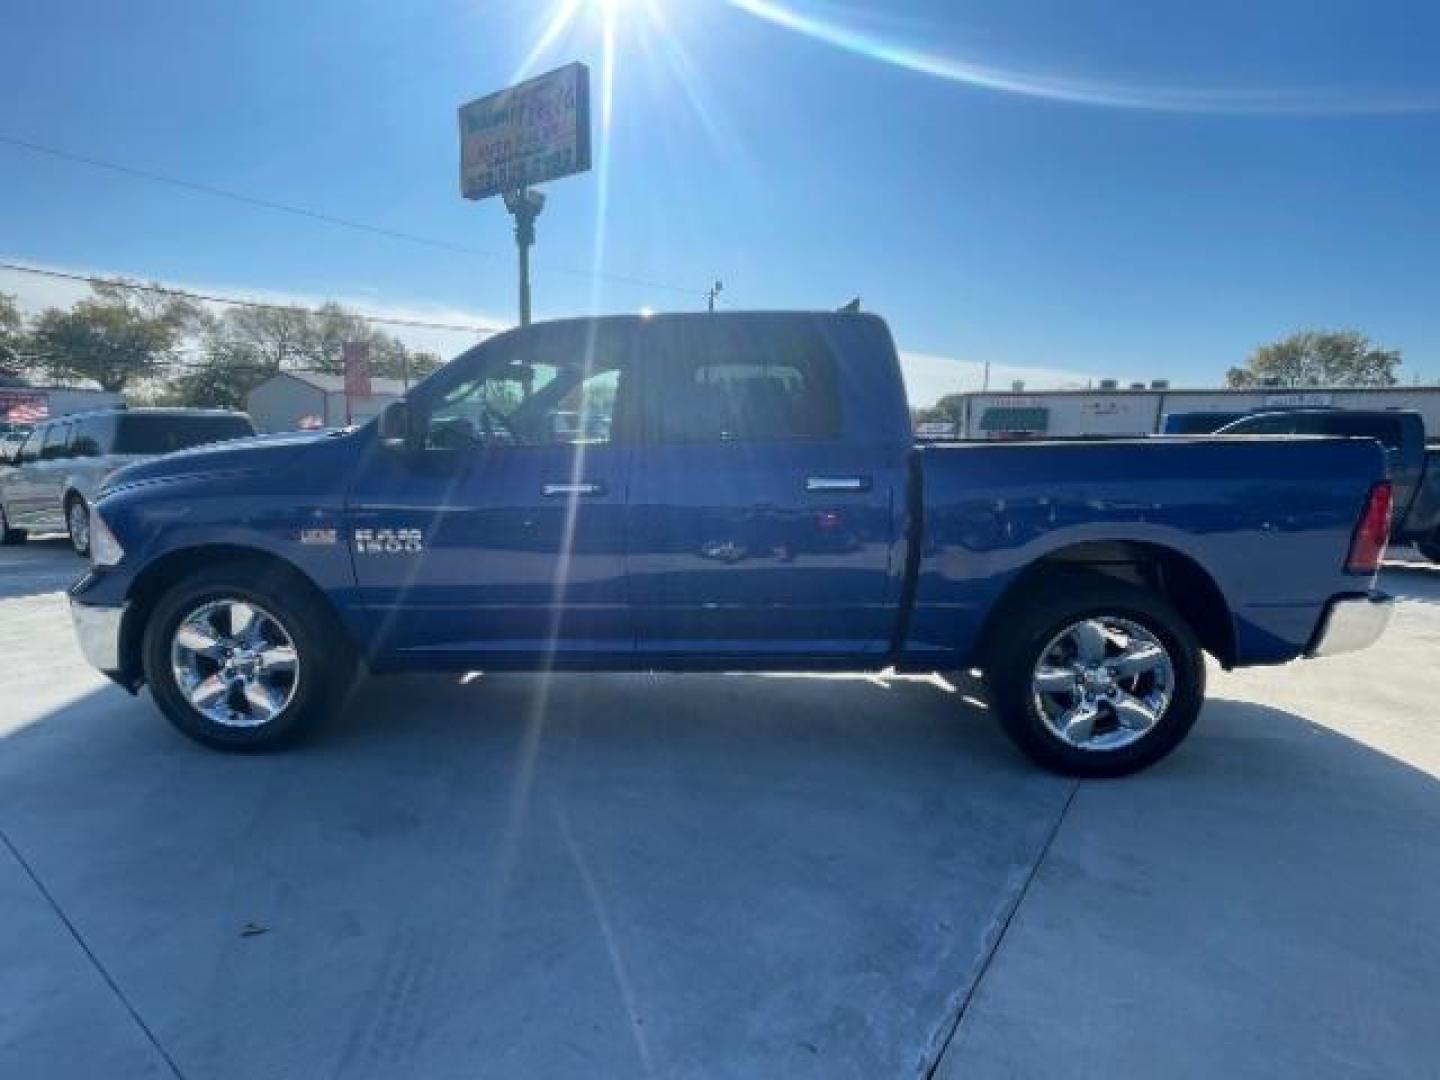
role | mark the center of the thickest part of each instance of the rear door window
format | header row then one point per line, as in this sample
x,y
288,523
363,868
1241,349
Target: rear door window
x,y
92,433
141,434
719,382
56,444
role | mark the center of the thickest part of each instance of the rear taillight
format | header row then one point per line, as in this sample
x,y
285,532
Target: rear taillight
x,y
1372,534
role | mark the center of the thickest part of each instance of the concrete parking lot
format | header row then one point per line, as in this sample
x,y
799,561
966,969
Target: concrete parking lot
x,y
717,876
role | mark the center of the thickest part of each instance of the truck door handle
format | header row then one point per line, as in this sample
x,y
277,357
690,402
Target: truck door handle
x,y
837,483
552,490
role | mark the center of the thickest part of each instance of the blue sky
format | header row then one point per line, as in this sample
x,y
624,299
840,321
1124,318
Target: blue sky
x,y
1135,189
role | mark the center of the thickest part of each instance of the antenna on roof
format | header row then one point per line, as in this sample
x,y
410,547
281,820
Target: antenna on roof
x,y
852,308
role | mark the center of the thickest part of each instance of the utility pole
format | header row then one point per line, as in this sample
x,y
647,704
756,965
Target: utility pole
x,y
712,293
524,205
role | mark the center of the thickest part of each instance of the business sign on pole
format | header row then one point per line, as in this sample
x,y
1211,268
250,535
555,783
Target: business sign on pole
x,y
536,131
356,355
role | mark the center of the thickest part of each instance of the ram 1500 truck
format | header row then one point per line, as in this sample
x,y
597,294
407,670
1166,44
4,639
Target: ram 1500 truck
x,y
725,492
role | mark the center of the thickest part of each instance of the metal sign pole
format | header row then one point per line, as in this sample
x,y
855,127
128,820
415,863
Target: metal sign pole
x,y
524,205
527,134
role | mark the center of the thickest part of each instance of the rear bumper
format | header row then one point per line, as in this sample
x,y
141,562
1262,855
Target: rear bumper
x,y
97,629
1351,623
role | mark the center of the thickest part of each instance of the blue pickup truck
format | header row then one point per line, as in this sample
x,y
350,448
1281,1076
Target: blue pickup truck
x,y
725,492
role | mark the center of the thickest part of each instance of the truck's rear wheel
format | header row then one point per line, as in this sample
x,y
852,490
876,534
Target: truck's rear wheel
x,y
1096,677
237,660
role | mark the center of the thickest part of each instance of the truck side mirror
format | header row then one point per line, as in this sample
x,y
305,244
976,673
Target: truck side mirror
x,y
395,425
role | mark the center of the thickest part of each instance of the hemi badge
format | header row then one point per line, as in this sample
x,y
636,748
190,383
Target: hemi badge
x,y
317,536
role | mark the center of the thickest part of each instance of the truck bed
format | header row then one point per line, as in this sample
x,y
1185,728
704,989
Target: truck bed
x,y
1266,522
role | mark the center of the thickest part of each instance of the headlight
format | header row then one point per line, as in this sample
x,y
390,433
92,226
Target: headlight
x,y
105,550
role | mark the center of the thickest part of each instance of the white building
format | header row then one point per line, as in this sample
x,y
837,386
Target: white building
x,y
1072,413
312,399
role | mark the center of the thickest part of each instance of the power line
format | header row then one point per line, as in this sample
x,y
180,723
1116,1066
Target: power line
x,y
327,219
233,301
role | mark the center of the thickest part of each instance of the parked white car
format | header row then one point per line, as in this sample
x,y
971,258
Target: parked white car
x,y
51,481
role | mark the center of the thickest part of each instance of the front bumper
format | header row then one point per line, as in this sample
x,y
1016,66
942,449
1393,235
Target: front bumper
x,y
97,628
1352,623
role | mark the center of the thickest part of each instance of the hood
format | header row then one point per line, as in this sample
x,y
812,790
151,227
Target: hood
x,y
254,454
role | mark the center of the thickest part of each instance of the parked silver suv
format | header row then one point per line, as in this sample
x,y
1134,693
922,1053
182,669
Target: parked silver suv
x,y
52,479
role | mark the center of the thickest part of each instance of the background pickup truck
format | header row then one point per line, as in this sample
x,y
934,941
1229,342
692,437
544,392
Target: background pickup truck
x,y
734,492
1414,466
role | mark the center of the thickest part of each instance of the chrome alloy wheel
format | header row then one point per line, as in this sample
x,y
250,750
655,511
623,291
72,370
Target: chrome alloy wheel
x,y
235,663
78,518
1102,683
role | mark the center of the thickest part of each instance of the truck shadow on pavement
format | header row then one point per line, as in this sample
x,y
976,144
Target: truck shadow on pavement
x,y
683,875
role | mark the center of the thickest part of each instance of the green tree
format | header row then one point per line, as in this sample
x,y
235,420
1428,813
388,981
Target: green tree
x,y
950,407
332,326
12,335
422,364
215,383
1318,358
242,348
116,336
246,346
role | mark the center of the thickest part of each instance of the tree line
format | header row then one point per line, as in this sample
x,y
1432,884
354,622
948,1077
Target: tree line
x,y
169,349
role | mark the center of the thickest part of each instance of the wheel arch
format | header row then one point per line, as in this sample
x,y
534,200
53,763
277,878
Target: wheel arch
x,y
163,572
1176,576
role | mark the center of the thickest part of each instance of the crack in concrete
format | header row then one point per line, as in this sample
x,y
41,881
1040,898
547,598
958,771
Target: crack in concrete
x,y
94,960
954,1026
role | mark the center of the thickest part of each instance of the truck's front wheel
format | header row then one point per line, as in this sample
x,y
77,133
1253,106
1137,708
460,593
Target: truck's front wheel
x,y
1096,677
236,660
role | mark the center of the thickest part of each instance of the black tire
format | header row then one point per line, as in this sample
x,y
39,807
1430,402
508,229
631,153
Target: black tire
x,y
325,666
1430,548
1033,621
80,543
9,536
